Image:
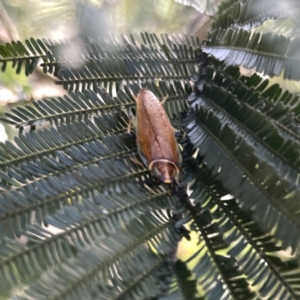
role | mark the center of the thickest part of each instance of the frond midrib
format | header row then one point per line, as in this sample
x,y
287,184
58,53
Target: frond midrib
x,y
88,60
120,78
252,51
15,58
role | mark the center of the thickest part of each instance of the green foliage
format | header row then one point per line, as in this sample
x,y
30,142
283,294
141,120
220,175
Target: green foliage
x,y
18,54
241,47
248,14
82,218
79,106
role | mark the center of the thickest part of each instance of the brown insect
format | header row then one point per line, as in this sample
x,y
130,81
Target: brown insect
x,y
156,143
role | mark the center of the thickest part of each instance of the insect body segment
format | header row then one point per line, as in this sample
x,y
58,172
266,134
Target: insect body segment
x,y
156,143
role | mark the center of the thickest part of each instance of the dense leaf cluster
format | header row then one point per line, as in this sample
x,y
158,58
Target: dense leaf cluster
x,y
82,218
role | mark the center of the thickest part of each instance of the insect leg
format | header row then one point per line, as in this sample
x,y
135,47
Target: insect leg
x,y
129,125
136,161
164,99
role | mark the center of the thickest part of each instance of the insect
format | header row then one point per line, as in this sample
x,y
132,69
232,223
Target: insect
x,y
155,139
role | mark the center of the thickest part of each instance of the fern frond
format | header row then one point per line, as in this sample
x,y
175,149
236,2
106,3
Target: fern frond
x,y
80,55
44,196
256,154
280,107
248,14
85,220
81,219
219,274
18,54
91,54
274,145
248,243
126,250
43,145
268,200
65,163
106,72
241,47
83,106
